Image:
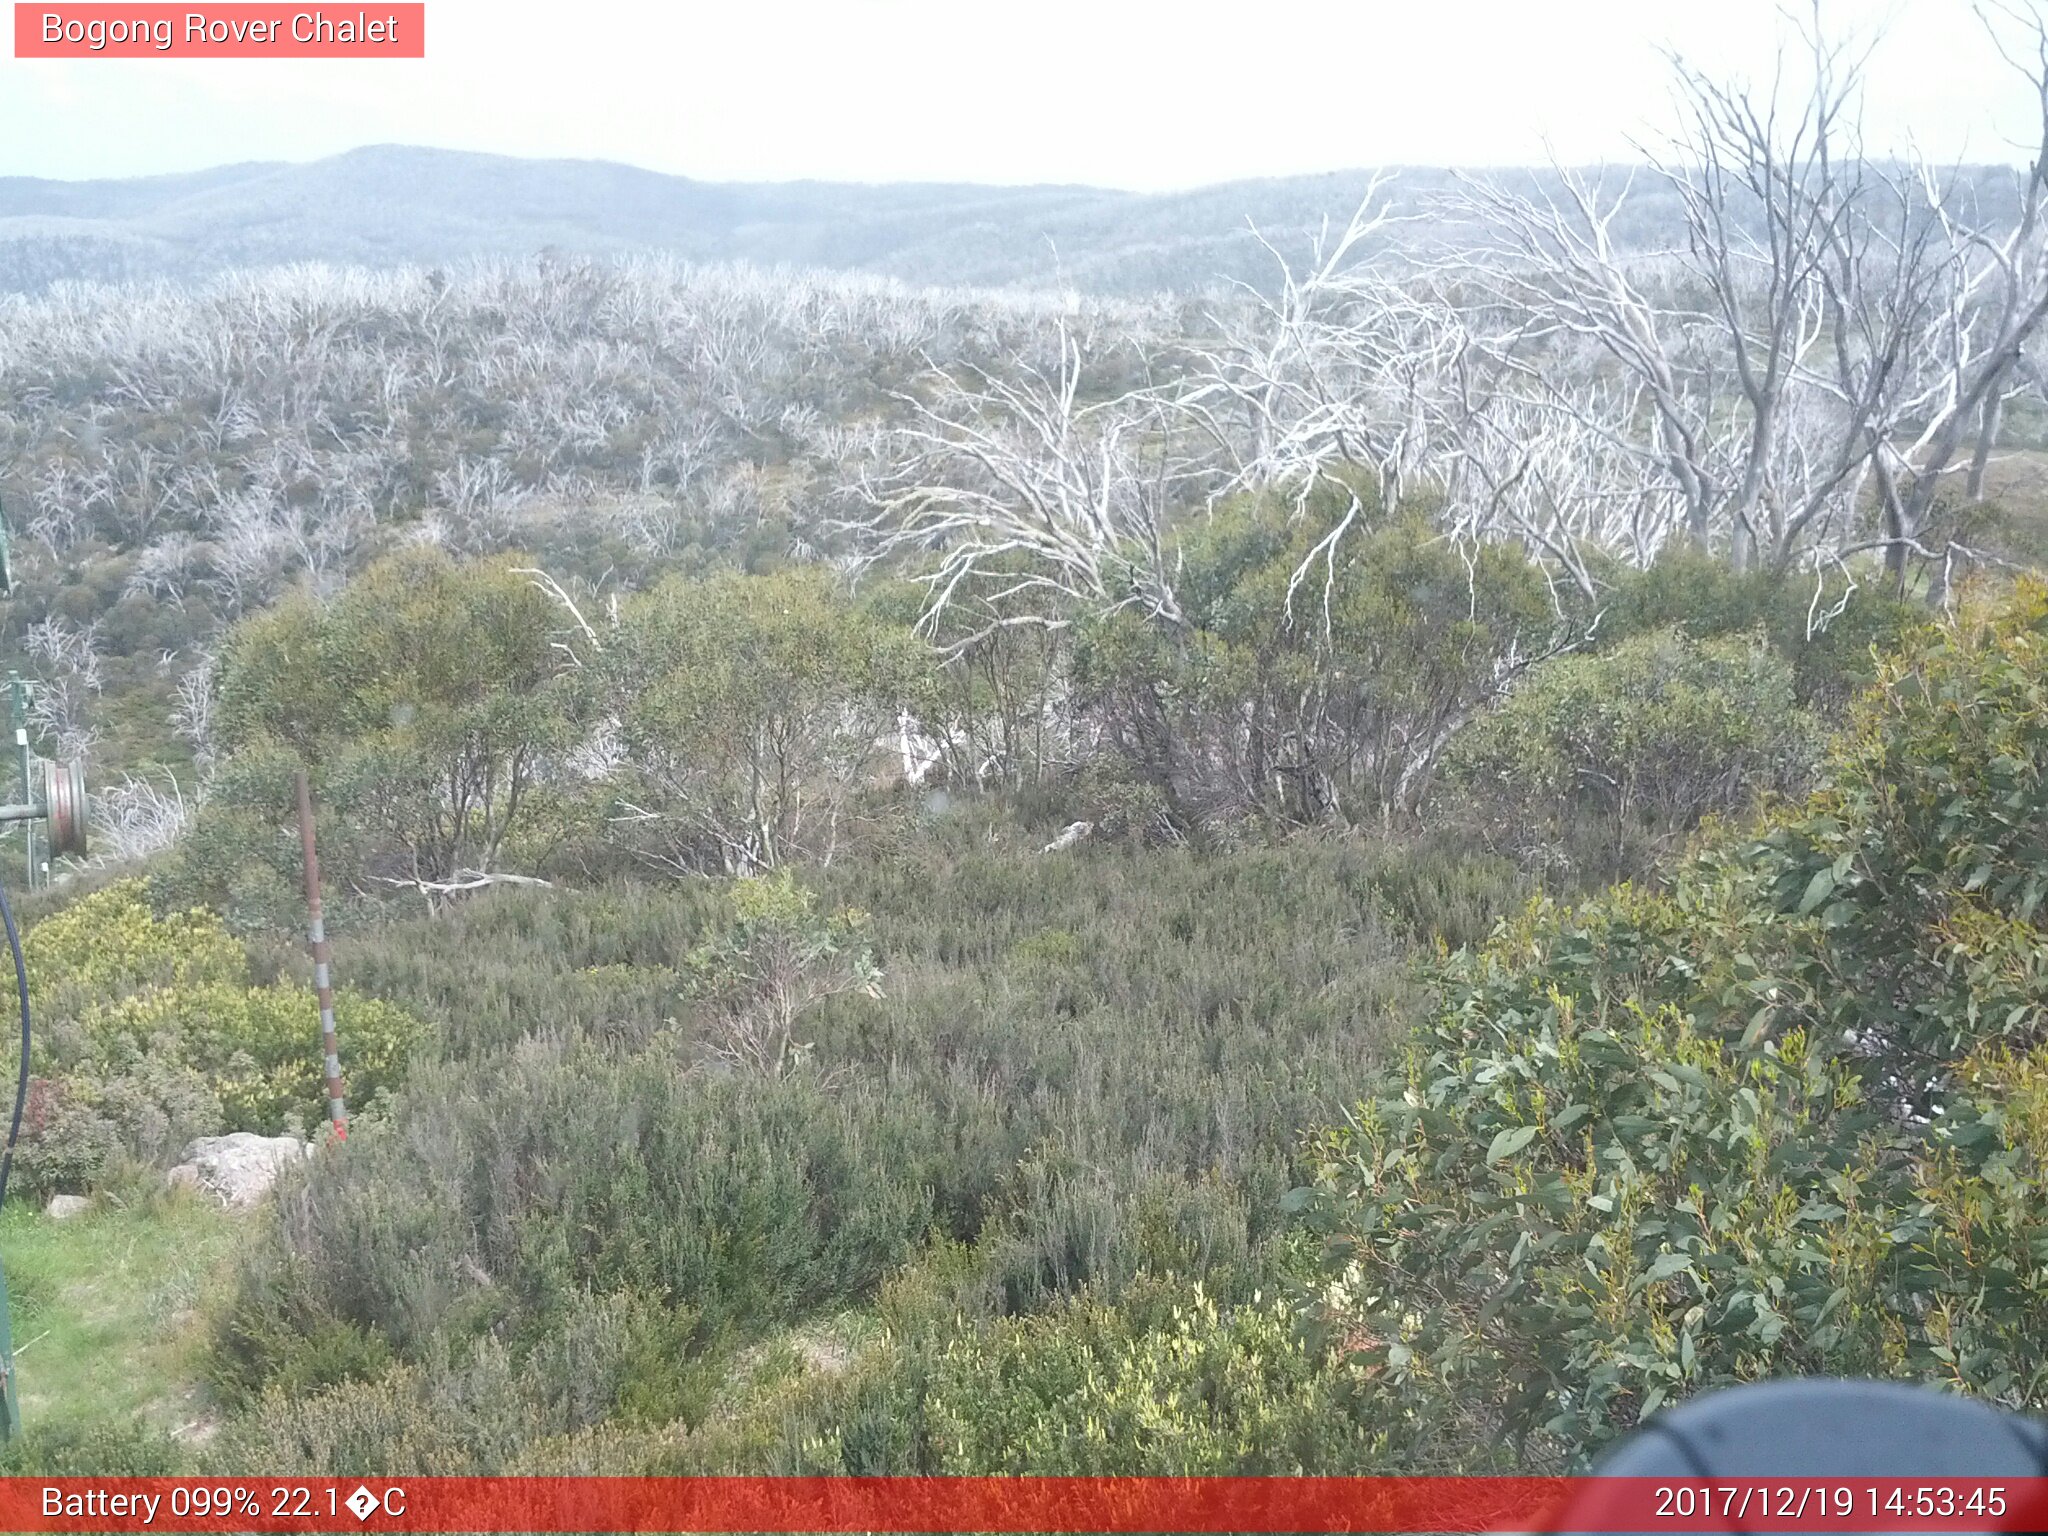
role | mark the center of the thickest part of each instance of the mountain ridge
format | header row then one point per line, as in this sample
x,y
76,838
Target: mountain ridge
x,y
388,204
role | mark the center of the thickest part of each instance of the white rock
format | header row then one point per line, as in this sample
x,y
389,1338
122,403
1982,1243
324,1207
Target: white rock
x,y
63,1207
237,1169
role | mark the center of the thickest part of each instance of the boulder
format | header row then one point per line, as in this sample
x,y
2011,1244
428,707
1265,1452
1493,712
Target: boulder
x,y
237,1169
64,1207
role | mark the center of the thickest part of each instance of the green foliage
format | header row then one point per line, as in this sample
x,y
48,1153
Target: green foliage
x,y
420,651
1171,1384
236,858
1926,860
420,699
751,708
775,961
496,1411
1784,1118
1085,1069
1832,654
66,1141
1657,731
153,1035
676,1195
743,1198
257,1047
674,1124
112,1449
1313,681
110,945
299,1348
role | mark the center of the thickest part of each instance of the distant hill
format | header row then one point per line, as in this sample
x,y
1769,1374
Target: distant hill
x,y
391,205
388,205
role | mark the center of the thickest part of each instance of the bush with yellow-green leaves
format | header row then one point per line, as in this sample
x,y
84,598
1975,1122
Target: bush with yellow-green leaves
x,y
152,1033
1168,1382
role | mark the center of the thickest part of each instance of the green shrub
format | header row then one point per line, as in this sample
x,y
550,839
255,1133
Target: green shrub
x,y
777,959
1656,732
257,1047
66,1142
286,1341
1085,1069
153,1036
1438,889
1321,699
95,1450
1832,654
1184,1387
406,1422
1785,1118
419,698
507,1188
750,708
110,945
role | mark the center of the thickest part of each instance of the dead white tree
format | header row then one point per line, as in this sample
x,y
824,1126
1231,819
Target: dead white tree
x,y
1557,481
1832,330
165,568
1327,370
136,818
1990,305
192,710
69,677
1025,504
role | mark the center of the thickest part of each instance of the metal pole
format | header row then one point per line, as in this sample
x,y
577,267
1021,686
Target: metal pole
x,y
323,982
18,694
10,1394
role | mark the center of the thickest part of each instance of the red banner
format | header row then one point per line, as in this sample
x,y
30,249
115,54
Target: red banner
x,y
220,31
1021,1504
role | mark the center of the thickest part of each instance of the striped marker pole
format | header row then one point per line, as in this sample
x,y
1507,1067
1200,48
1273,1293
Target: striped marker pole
x,y
323,980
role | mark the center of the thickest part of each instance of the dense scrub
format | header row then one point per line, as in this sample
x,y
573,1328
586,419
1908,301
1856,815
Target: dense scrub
x,y
1080,1069
1028,1210
865,892
1783,1117
791,1165
467,723
750,1070
1633,745
153,1030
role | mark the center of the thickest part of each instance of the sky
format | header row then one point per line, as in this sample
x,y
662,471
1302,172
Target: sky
x,y
1124,93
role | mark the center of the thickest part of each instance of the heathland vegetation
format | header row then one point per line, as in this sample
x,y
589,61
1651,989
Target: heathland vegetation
x,y
1383,878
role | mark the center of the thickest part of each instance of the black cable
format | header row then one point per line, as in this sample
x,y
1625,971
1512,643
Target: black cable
x,y
21,1084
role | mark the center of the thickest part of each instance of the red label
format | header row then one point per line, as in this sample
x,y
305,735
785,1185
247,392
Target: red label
x,y
403,1506
229,31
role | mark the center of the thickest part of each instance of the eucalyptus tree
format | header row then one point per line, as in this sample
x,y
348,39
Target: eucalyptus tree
x,y
420,696
751,713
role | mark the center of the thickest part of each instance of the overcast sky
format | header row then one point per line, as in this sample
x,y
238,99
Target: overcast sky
x,y
1128,93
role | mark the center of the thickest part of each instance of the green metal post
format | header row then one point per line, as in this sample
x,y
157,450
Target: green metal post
x,y
10,1400
10,1404
18,692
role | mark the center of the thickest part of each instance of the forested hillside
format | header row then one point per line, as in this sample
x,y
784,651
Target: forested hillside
x,y
1384,871
391,206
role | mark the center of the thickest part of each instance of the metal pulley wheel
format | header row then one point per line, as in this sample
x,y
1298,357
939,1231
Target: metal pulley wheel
x,y
64,806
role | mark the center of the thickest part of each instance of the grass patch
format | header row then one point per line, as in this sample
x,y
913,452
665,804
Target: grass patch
x,y
107,1311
